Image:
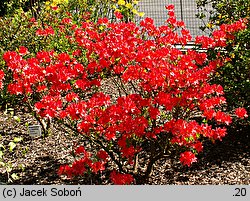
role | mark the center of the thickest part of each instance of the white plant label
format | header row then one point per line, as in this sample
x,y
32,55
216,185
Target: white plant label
x,y
35,131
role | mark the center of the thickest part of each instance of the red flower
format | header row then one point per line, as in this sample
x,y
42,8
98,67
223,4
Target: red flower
x,y
222,117
170,7
64,58
118,15
98,166
171,13
54,7
66,21
241,113
1,75
61,170
32,20
104,20
153,112
65,170
198,146
110,135
43,56
209,114
102,155
41,88
45,32
128,151
23,50
121,179
79,167
219,133
77,52
187,158
181,24
84,127
71,97
80,150
48,106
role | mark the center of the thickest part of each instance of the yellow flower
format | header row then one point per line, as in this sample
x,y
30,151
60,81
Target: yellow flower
x,y
121,2
135,11
47,5
129,5
56,2
141,14
135,2
209,25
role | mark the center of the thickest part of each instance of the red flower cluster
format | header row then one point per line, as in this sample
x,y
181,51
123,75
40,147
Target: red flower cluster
x,y
85,163
241,113
187,158
221,36
45,32
121,179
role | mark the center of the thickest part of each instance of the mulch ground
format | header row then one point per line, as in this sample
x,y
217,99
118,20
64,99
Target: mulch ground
x,y
36,161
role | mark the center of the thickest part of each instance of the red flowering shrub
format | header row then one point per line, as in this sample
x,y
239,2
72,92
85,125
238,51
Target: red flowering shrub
x,y
162,103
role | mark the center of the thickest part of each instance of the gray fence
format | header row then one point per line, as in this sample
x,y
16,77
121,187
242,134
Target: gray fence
x,y
185,10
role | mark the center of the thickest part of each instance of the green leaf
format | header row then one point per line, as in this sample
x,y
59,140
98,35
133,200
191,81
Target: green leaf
x,y
12,146
24,151
2,164
11,111
189,139
1,154
14,176
17,139
204,121
17,119
2,147
21,167
8,167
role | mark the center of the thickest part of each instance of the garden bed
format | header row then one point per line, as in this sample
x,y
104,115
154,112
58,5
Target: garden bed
x,y
36,161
